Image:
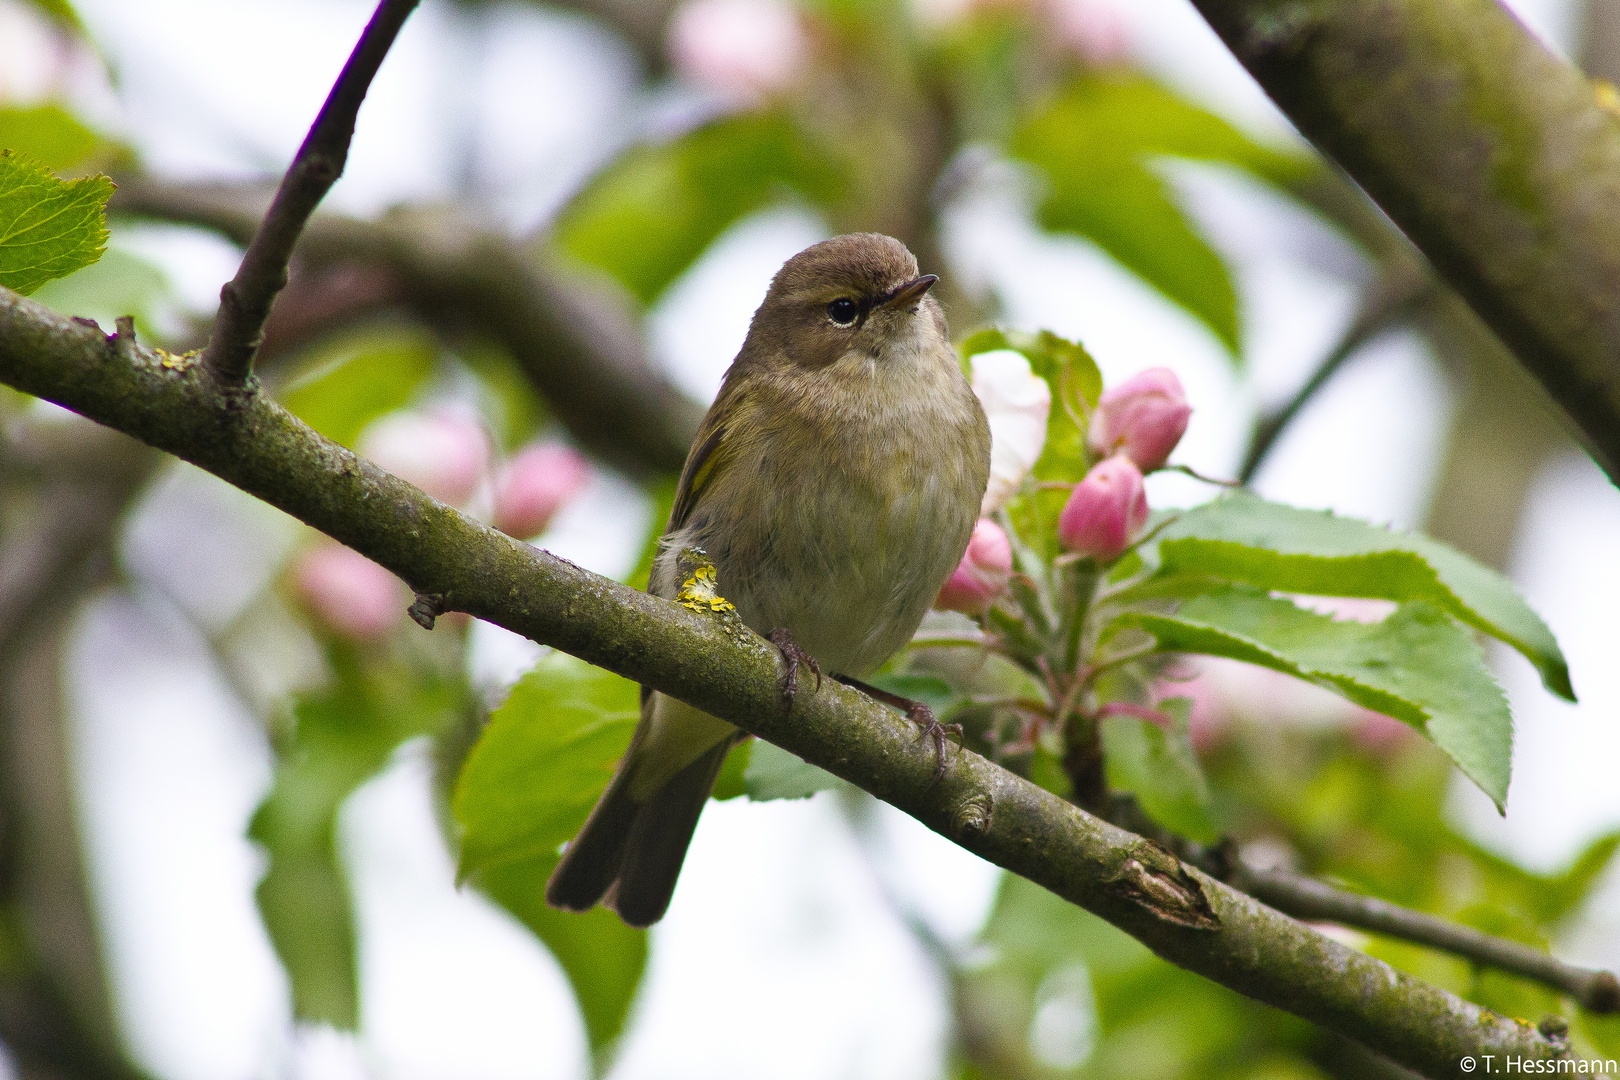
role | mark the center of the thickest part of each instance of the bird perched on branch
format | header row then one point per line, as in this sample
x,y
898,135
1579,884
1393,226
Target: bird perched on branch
x,y
834,483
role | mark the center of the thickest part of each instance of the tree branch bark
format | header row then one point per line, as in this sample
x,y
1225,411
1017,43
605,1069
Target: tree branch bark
x,y
1185,916
1493,155
244,302
579,348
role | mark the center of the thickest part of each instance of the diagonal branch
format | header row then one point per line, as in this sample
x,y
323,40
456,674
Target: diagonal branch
x,y
1403,288
1497,158
244,302
1184,915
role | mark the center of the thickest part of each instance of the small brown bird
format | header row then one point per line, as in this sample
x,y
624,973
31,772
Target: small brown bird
x,y
834,483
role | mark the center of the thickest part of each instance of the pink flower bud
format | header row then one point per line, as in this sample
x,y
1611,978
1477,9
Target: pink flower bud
x,y
350,594
742,49
1094,31
538,480
444,452
1145,416
982,574
1105,511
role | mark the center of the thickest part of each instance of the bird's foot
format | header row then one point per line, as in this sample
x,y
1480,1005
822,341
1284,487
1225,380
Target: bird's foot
x,y
927,723
793,657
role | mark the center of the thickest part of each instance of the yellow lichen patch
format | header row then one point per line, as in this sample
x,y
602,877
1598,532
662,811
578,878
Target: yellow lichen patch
x,y
700,591
175,361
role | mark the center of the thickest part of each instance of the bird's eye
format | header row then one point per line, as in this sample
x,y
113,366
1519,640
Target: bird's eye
x,y
842,311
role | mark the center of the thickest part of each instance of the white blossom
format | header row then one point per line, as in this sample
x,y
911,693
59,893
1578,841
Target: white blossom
x,y
1018,404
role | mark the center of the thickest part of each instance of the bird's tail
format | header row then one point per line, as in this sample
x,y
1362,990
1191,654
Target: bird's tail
x,y
629,852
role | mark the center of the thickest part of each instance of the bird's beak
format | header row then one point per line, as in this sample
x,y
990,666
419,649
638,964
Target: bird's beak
x,y
910,292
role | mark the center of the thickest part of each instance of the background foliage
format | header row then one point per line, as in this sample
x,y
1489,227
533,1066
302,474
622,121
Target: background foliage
x,y
876,116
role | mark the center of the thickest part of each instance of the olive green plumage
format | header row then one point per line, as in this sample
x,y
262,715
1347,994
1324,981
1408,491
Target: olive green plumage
x,y
834,483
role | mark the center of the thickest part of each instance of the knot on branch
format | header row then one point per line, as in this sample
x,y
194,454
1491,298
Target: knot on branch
x,y
1156,879
426,609
971,816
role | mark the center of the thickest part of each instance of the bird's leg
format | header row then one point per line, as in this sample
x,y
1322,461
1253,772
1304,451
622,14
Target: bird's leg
x,y
792,656
918,714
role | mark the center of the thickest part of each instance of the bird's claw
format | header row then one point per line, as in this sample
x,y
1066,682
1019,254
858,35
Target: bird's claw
x,y
792,657
931,729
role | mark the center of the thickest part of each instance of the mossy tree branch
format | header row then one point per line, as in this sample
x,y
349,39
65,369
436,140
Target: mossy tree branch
x,y
1185,916
1493,155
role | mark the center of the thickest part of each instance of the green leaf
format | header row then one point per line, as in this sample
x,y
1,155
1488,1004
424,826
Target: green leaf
x,y
652,212
48,227
732,780
1076,384
1158,767
775,773
48,134
343,735
352,381
61,12
1096,144
1244,538
119,284
603,958
543,761
1418,665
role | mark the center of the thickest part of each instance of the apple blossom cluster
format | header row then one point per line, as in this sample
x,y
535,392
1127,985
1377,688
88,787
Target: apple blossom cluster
x,y
447,453
1132,432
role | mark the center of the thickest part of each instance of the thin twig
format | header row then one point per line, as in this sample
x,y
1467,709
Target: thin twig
x,y
244,302
1401,289
1304,898
1310,900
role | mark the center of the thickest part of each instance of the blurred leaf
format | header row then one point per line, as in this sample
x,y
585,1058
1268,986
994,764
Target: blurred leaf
x,y
650,214
1158,767
1095,145
48,227
61,12
603,958
48,134
1418,665
343,735
508,401
118,284
775,773
732,779
1245,538
543,761
351,382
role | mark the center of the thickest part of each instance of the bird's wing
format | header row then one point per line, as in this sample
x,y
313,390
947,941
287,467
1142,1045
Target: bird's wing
x,y
709,456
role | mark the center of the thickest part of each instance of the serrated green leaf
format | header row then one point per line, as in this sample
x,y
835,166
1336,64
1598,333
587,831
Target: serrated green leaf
x,y
652,212
48,134
1244,538
603,958
1096,144
1418,665
1158,767
543,761
344,734
351,381
48,227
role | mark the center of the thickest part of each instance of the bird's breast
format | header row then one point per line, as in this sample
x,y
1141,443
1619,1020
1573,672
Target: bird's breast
x,y
845,516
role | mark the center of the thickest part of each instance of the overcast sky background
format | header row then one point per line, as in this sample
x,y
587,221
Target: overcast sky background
x,y
779,956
